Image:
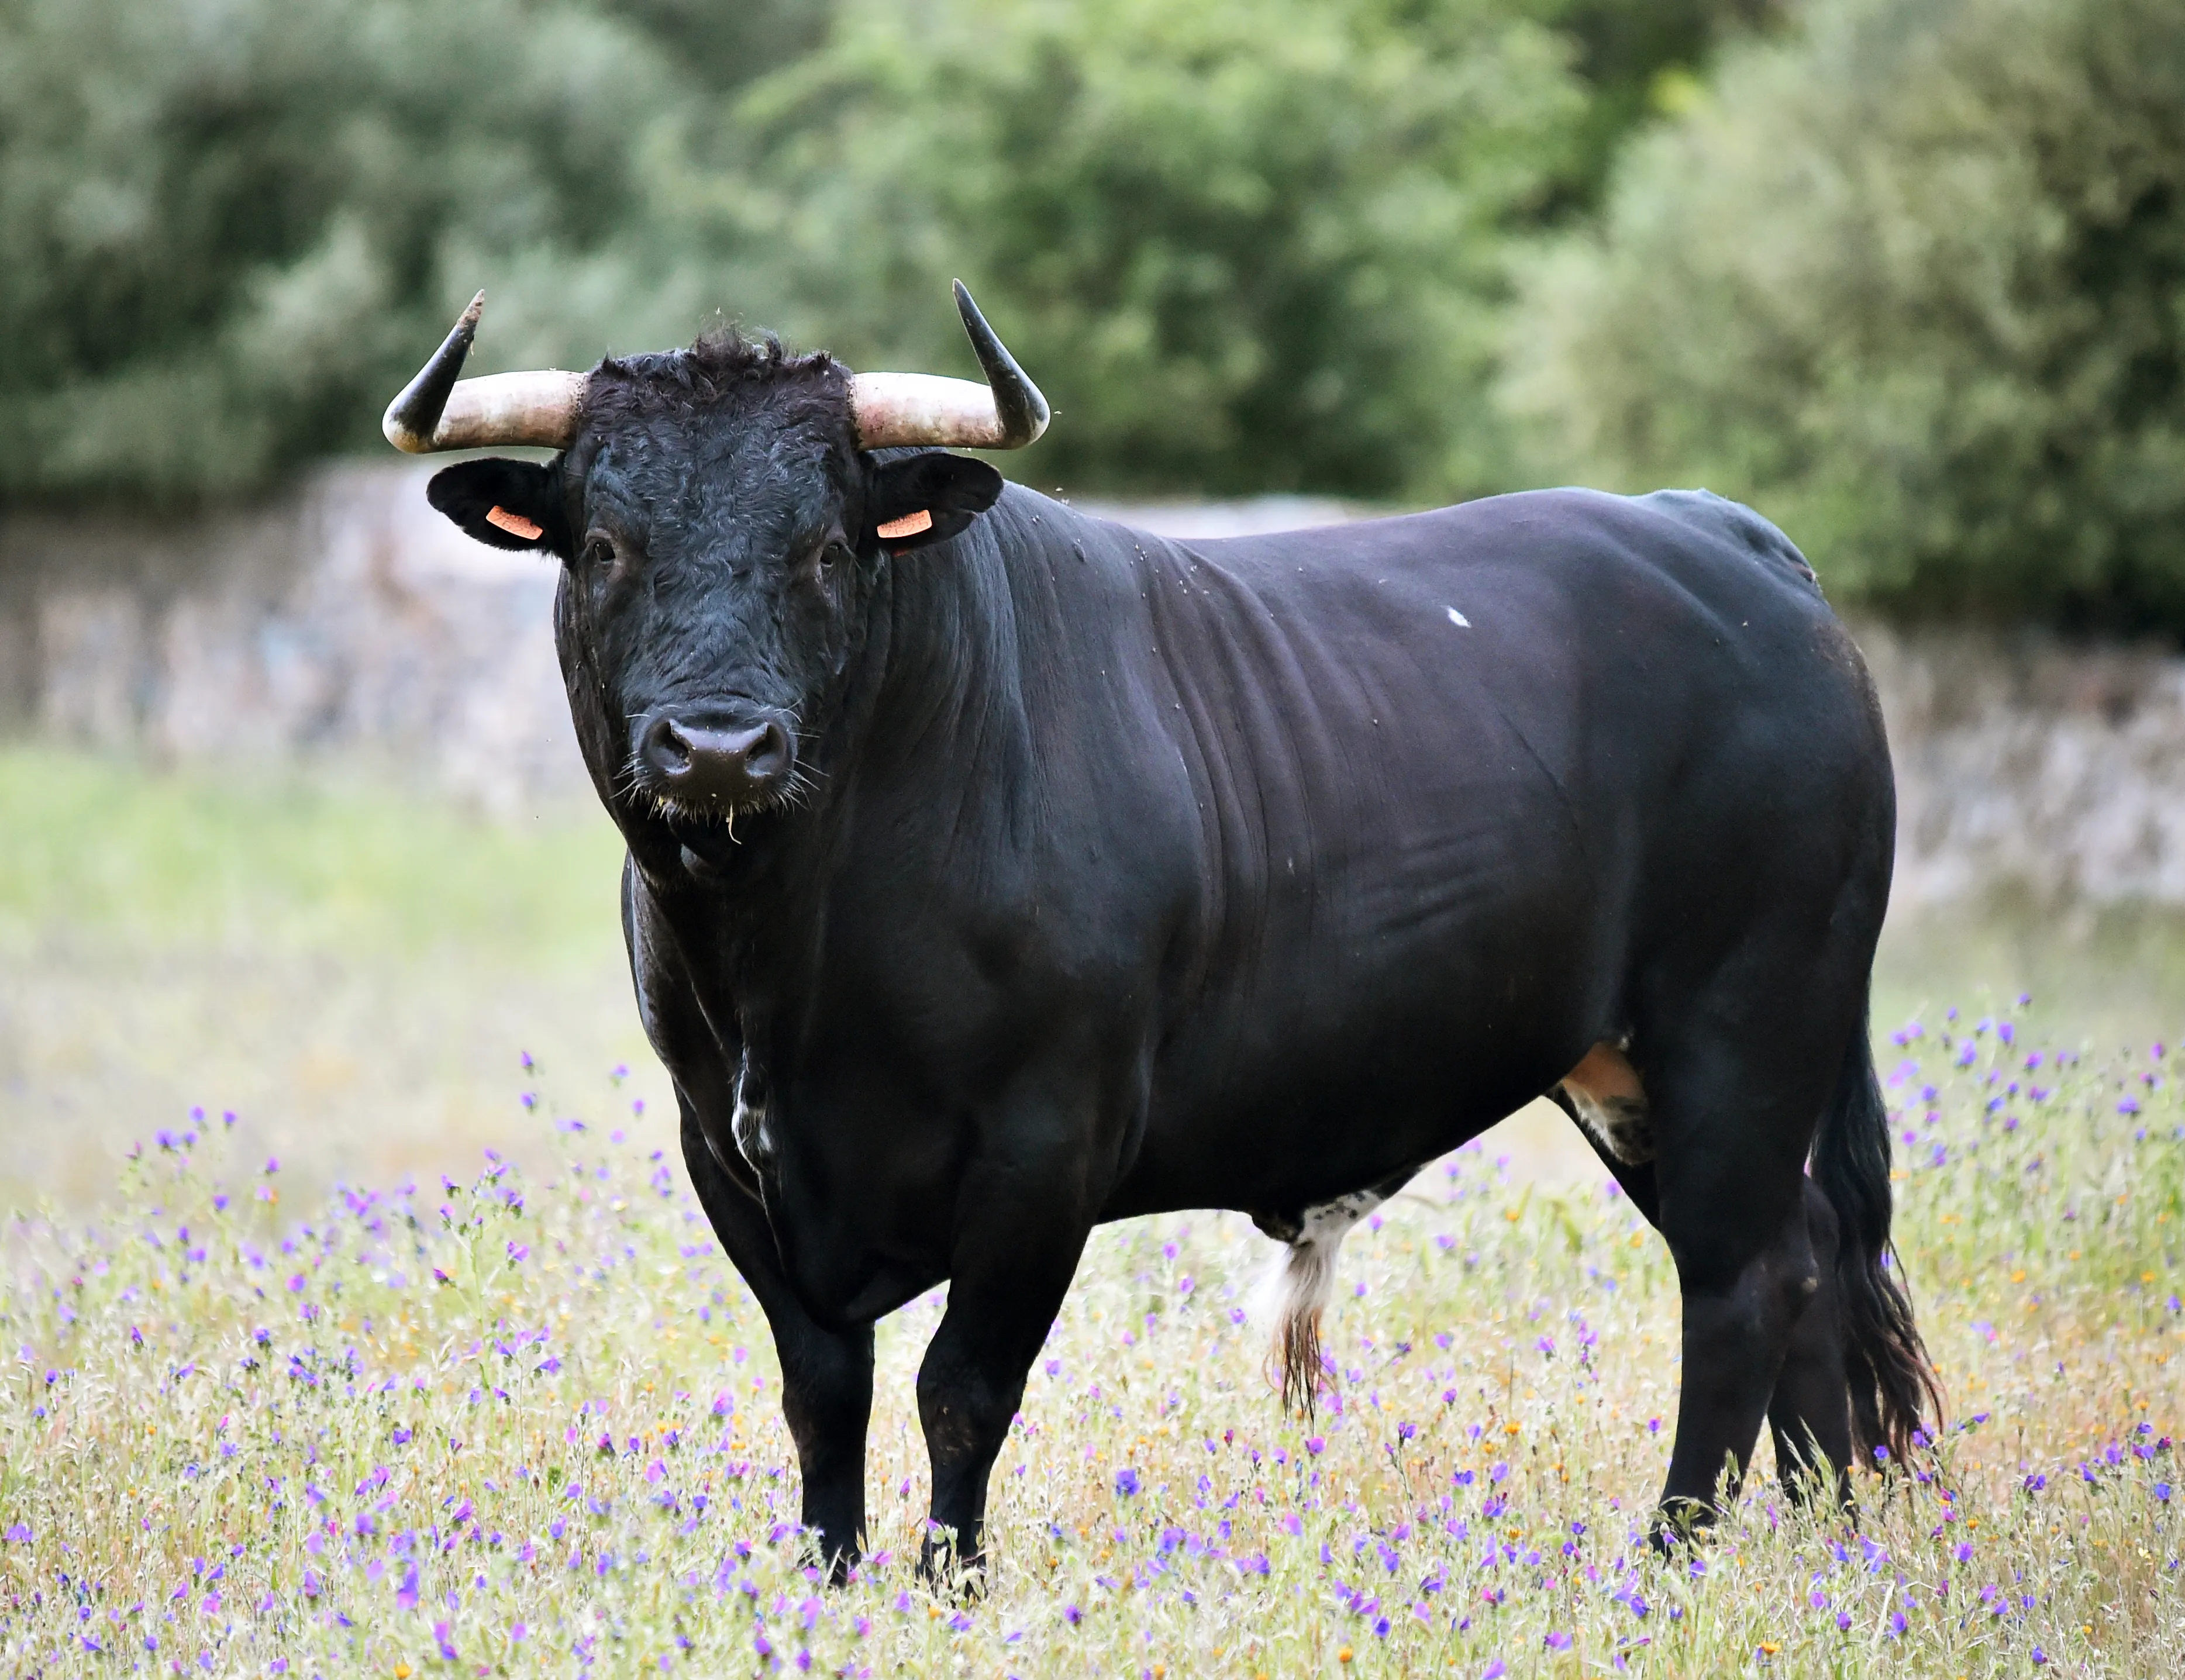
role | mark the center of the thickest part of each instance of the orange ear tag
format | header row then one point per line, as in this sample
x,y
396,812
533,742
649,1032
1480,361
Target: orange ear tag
x,y
515,524
908,526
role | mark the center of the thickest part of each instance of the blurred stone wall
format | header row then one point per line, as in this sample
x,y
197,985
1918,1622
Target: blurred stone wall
x,y
2033,766
350,618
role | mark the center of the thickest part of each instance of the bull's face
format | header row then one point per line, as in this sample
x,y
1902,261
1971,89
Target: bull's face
x,y
720,531
722,513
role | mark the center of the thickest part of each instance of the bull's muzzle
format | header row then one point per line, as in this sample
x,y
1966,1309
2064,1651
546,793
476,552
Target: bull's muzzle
x,y
705,761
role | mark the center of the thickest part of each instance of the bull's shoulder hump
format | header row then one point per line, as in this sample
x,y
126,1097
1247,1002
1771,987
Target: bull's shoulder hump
x,y
1724,521
1493,527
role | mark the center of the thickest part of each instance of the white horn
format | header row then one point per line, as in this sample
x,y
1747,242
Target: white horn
x,y
897,408
892,409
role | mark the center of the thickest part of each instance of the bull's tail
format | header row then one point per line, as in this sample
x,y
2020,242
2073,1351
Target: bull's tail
x,y
1893,1385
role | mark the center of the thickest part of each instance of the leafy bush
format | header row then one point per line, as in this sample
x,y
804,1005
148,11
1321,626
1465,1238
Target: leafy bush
x,y
1251,245
231,225
1244,244
1912,279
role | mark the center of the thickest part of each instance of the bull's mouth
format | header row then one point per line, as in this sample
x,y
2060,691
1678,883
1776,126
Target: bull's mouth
x,y
712,833
708,849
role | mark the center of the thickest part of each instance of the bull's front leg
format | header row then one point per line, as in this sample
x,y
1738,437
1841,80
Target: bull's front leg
x,y
1024,1220
826,1375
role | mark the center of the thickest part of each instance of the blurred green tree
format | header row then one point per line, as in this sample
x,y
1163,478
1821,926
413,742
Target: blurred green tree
x,y
230,224
1634,58
1244,244
1912,279
1251,245
725,43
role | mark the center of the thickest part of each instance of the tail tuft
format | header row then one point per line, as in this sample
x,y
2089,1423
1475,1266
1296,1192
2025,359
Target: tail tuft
x,y
1893,1385
1300,1286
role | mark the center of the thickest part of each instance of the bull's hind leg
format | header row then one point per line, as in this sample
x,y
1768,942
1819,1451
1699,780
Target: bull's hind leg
x,y
1809,1413
1744,1294
1738,1084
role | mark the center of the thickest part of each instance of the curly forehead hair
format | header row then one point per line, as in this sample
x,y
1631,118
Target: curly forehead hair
x,y
723,368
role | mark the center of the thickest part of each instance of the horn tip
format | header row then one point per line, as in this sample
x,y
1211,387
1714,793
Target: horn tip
x,y
403,437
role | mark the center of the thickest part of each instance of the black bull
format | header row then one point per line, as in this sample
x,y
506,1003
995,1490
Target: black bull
x,y
1134,874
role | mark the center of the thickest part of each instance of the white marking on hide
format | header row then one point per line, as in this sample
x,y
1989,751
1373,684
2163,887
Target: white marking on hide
x,y
749,1125
1619,1125
1296,1290
1458,619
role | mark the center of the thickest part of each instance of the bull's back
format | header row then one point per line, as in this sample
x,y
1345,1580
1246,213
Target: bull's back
x,y
1452,769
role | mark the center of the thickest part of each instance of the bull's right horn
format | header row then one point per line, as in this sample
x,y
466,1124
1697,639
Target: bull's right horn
x,y
1005,413
437,410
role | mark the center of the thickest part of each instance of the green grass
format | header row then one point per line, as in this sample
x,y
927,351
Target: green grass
x,y
353,967
2104,977
114,855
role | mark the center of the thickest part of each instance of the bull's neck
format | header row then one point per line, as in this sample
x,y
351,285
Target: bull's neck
x,y
945,666
977,662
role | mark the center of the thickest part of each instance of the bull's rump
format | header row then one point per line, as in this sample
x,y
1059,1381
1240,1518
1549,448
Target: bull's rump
x,y
1458,776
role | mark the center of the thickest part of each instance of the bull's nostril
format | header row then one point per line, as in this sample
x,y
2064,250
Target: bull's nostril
x,y
767,758
667,748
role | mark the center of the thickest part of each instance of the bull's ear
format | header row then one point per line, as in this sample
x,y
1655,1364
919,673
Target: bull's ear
x,y
509,504
927,499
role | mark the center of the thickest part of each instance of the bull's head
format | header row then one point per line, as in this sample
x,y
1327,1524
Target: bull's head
x,y
721,516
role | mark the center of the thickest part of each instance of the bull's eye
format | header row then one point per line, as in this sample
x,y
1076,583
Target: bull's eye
x,y
599,550
834,552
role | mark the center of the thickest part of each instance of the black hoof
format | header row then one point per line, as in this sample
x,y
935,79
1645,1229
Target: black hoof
x,y
1679,1524
949,1574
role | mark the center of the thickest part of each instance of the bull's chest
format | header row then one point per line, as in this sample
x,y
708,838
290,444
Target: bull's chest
x,y
861,1204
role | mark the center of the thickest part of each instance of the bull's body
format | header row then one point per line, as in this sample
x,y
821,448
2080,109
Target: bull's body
x,y
1152,875
1272,878
995,871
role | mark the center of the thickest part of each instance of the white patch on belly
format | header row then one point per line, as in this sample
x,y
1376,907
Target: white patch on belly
x,y
1457,618
1296,1291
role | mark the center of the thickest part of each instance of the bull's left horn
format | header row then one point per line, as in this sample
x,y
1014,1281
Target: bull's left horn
x,y
1005,413
437,410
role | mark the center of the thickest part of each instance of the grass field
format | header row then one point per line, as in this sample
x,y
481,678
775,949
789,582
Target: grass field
x,y
352,968
522,1419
